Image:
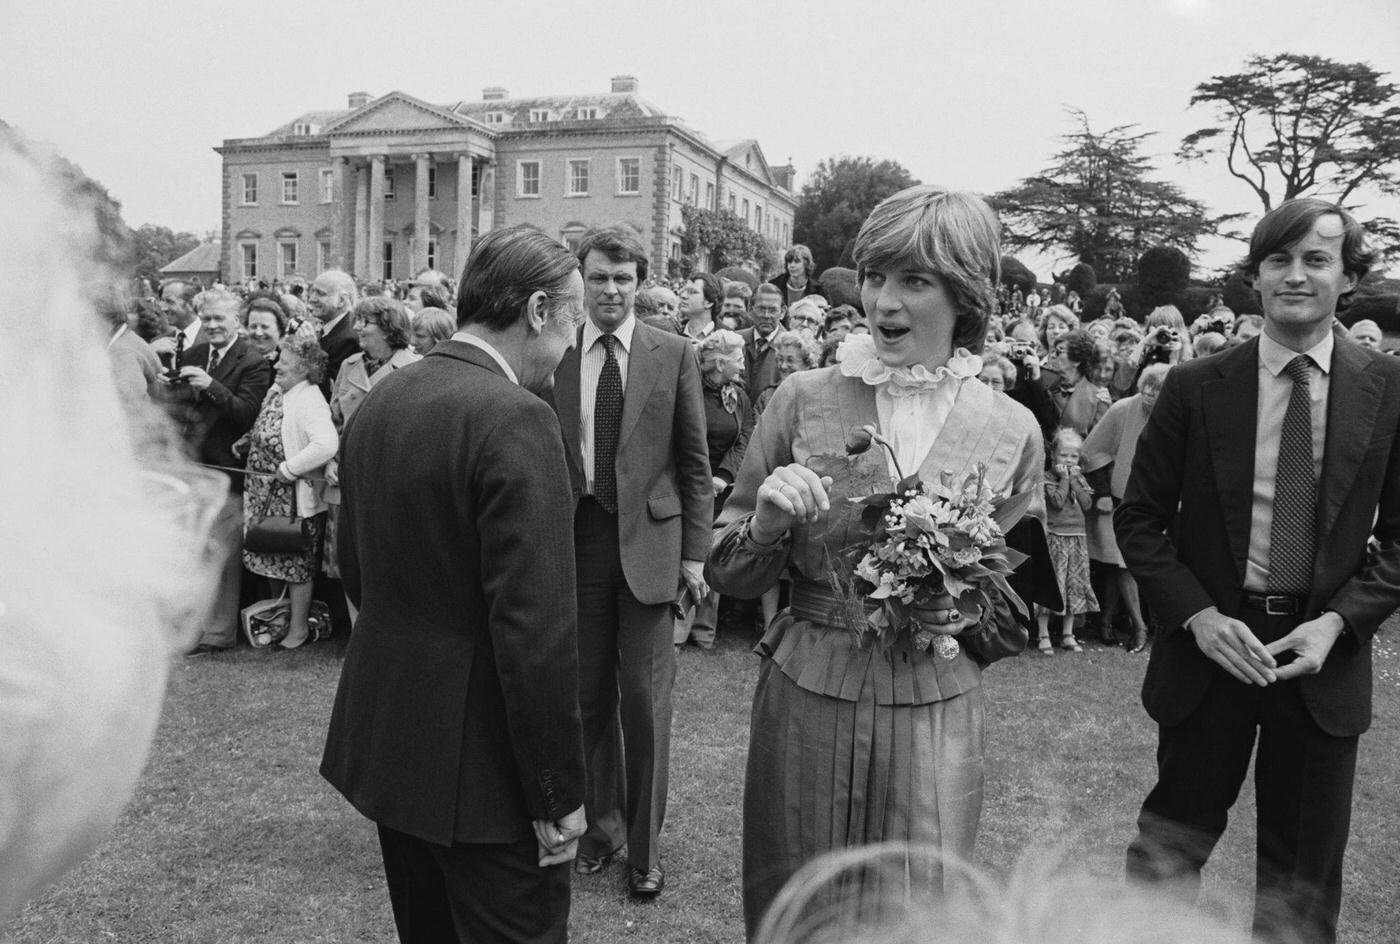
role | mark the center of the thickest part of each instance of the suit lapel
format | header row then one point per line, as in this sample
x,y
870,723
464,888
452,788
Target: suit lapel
x,y
1353,400
230,360
566,401
643,369
1230,406
965,426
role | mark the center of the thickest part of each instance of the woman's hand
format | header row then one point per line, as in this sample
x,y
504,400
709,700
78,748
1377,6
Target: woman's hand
x,y
285,475
333,472
240,447
719,483
791,494
941,616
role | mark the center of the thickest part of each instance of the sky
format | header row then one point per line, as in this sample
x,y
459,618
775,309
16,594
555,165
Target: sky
x,y
970,94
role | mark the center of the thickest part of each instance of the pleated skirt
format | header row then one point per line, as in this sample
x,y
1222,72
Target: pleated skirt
x,y
826,773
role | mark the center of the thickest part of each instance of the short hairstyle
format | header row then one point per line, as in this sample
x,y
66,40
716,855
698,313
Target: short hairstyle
x,y
1080,350
432,278
219,298
187,289
1153,374
150,321
294,304
1208,343
1292,220
720,344
340,281
1065,436
952,234
1255,320
834,315
1364,323
266,302
738,290
389,314
1063,314
312,355
434,296
800,253
437,323
710,287
797,341
768,288
618,244
505,268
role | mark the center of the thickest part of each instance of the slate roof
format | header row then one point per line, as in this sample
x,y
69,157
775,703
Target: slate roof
x,y
563,107
202,258
317,119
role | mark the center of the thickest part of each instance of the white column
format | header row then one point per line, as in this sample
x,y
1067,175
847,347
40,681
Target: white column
x,y
486,187
375,268
361,263
342,216
420,212
463,247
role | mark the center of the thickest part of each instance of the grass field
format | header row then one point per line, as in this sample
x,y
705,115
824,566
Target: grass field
x,y
233,837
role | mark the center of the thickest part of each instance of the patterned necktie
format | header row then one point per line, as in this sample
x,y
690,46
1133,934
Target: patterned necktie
x,y
213,360
1292,538
607,421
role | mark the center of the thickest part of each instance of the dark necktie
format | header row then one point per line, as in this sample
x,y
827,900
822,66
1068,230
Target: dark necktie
x,y
213,360
607,421
1292,538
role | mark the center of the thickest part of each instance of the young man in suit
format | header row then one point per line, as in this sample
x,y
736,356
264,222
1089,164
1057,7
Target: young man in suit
x,y
456,724
630,405
1258,482
223,382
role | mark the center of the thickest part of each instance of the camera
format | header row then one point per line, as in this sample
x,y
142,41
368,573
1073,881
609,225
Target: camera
x,y
1022,352
1164,336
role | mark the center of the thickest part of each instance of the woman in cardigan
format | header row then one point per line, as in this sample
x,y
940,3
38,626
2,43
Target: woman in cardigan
x,y
851,743
292,439
728,423
1082,403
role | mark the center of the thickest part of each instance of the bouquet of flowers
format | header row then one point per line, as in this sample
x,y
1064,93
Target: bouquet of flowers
x,y
925,540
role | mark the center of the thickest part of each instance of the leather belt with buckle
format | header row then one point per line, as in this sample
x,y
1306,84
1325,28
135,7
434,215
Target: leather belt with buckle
x,y
1274,604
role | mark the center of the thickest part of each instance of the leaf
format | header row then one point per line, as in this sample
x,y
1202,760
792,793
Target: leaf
x,y
1010,510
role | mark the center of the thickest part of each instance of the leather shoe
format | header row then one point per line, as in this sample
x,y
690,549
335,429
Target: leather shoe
x,y
646,884
591,865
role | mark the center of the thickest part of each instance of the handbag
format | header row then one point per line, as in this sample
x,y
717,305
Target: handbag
x,y
277,534
266,622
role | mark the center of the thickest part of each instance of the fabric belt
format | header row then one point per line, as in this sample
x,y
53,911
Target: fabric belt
x,y
1275,604
817,603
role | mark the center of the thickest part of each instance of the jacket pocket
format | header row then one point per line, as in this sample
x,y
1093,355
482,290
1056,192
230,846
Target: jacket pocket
x,y
662,507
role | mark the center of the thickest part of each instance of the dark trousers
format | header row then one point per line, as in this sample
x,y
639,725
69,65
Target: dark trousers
x,y
474,892
627,669
1302,783
221,626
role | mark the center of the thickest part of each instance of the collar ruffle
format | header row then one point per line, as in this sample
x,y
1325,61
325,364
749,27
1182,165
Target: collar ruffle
x,y
857,358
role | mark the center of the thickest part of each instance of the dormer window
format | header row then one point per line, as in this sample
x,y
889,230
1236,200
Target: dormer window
x,y
303,128
586,114
539,114
495,117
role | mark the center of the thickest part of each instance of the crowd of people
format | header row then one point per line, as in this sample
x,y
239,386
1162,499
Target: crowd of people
x,y
673,475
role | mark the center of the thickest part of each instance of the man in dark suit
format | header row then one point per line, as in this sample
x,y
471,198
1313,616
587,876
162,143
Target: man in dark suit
x,y
629,403
760,360
330,300
456,724
224,380
1246,523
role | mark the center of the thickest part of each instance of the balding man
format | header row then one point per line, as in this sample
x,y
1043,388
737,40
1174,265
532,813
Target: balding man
x,y
330,299
223,382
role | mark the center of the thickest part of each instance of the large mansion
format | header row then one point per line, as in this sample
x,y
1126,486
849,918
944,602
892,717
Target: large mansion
x,y
392,185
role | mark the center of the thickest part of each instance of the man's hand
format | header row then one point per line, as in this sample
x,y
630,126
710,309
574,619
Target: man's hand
x,y
1311,641
719,483
333,472
163,346
197,377
693,576
558,841
1231,645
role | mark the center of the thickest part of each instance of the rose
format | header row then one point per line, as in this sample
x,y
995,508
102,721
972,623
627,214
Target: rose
x,y
859,440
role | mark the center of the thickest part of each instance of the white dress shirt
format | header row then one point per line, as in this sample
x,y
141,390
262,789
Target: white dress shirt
x,y
466,337
591,361
1275,388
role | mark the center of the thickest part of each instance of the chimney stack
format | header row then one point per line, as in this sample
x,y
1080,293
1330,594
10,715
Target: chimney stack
x,y
624,83
359,99
494,94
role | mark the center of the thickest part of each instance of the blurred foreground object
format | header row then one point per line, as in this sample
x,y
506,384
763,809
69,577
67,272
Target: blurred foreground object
x,y
104,555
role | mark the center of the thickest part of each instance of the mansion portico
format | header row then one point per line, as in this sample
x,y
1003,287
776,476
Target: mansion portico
x,y
392,185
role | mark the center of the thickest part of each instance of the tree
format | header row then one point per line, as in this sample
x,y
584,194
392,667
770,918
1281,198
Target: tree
x,y
836,200
1163,275
1097,203
727,239
1016,274
157,245
1290,125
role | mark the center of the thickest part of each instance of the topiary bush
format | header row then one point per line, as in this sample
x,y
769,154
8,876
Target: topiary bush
x,y
1163,275
1015,274
840,286
1081,279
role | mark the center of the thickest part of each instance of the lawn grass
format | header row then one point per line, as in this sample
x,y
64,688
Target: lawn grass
x,y
233,837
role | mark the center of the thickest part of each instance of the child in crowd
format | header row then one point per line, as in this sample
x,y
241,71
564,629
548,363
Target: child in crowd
x,y
1067,497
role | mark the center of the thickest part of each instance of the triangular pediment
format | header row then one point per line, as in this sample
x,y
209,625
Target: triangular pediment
x,y
397,111
749,156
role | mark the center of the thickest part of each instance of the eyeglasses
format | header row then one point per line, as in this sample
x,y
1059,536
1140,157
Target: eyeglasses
x,y
766,310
